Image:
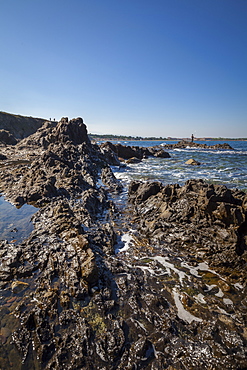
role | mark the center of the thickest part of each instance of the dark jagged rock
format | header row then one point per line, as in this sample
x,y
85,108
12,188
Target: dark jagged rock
x,y
65,164
65,131
108,150
7,138
127,152
109,179
162,154
189,144
74,131
210,220
19,126
142,191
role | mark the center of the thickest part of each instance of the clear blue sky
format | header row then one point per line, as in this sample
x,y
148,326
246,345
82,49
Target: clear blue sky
x,y
132,67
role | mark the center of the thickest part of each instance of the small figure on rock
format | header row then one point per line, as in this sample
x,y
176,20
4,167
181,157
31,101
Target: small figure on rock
x,y
192,138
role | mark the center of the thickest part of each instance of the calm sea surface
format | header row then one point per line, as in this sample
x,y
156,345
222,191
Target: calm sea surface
x,y
227,167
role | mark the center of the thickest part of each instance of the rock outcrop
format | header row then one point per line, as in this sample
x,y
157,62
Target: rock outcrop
x,y
127,152
183,144
65,164
192,162
208,221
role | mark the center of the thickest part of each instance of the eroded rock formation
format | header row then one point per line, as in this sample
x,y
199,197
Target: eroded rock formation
x,y
115,151
207,220
69,302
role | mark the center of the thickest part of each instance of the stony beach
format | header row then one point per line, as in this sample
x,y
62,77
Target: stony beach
x,y
156,283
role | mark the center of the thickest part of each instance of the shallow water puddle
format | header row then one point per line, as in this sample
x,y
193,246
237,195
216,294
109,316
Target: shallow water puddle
x,y
15,223
182,312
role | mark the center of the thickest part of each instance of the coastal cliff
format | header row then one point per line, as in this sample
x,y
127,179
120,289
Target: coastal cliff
x,y
19,126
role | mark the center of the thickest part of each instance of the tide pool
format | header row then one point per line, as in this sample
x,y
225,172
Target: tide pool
x,y
15,223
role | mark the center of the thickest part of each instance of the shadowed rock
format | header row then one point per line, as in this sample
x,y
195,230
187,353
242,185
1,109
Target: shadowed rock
x,y
20,126
7,138
127,152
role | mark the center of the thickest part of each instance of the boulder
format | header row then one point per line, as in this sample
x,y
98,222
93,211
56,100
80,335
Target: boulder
x,y
140,192
162,154
193,162
127,152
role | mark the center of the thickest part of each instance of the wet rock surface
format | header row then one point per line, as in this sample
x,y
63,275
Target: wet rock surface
x,y
183,144
115,151
175,299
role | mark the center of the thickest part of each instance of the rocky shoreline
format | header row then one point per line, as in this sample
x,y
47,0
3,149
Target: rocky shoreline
x,y
175,299
183,144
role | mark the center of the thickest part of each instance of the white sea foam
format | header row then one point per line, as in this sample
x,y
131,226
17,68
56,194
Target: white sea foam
x,y
169,266
238,286
227,301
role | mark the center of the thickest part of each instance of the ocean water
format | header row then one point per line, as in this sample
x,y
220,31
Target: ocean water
x,y
15,223
226,167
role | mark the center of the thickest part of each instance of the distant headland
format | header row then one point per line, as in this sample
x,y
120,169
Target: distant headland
x,y
111,137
